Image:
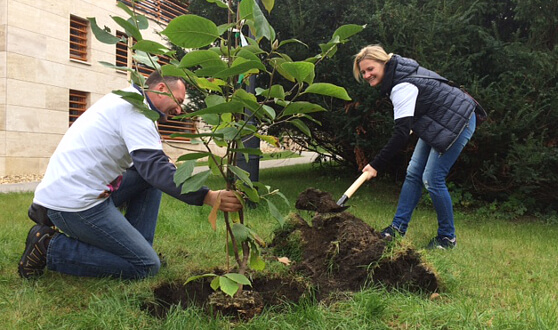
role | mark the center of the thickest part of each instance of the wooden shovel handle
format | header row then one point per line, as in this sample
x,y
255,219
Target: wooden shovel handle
x,y
358,182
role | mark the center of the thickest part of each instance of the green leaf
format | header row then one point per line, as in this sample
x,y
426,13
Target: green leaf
x,y
228,133
197,277
288,41
284,198
268,4
136,100
237,69
301,126
102,35
246,54
275,212
152,47
275,91
131,30
299,70
193,155
238,278
184,172
251,193
215,283
328,89
240,232
214,85
256,262
194,183
169,70
148,60
229,107
191,31
228,286
202,58
346,31
242,175
219,3
300,107
268,138
262,26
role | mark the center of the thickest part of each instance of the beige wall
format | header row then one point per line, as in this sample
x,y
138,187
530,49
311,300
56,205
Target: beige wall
x,y
36,75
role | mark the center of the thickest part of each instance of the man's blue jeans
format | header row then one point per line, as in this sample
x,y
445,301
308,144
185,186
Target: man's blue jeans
x,y
101,241
430,168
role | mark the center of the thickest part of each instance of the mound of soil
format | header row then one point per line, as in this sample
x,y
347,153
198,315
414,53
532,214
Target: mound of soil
x,y
337,252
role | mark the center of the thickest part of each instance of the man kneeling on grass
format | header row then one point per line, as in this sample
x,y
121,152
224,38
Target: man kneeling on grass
x,y
111,157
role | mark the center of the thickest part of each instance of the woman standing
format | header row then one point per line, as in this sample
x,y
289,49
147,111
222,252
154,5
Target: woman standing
x,y
442,116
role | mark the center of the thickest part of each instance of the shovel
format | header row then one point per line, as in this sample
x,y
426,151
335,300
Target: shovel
x,y
352,189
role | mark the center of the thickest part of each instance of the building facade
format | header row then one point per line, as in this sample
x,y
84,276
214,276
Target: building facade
x,y
50,72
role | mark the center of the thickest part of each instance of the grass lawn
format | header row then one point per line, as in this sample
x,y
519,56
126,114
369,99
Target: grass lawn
x,y
502,275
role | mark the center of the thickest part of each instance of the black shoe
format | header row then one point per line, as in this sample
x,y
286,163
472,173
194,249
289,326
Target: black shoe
x,y
442,242
33,260
391,232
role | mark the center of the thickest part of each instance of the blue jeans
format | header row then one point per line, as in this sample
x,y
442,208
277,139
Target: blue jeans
x,y
101,241
430,168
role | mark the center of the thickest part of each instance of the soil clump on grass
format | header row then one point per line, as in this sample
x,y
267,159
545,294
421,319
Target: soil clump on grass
x,y
334,252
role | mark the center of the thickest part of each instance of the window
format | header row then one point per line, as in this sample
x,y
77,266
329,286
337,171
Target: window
x,y
78,38
163,11
78,104
121,51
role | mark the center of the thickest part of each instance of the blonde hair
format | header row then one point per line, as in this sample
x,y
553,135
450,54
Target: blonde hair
x,y
370,52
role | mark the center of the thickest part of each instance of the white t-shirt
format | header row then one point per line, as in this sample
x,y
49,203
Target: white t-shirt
x,y
404,99
94,151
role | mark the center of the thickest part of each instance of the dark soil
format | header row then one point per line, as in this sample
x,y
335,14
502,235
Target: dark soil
x,y
337,252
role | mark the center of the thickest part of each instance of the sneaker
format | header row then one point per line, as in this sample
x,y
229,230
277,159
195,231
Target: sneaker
x,y
442,242
33,260
391,232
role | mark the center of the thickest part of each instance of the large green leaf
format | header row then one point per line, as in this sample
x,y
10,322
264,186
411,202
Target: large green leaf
x,y
242,175
328,89
268,4
191,31
238,278
141,20
131,30
103,35
346,31
184,172
152,47
299,70
137,101
299,107
275,212
262,27
240,232
256,261
239,68
275,91
193,155
195,182
229,107
202,58
228,286
301,126
148,60
169,70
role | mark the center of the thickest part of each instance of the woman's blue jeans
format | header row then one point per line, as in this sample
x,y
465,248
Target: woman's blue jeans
x,y
429,168
101,241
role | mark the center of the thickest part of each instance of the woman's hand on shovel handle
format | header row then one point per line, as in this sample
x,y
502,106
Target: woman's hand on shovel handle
x,y
372,173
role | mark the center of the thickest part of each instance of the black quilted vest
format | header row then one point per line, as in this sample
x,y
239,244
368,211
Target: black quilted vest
x,y
442,111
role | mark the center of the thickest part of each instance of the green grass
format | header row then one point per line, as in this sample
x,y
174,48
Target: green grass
x,y
503,274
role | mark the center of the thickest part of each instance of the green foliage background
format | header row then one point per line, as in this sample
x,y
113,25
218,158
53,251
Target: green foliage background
x,y
505,53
